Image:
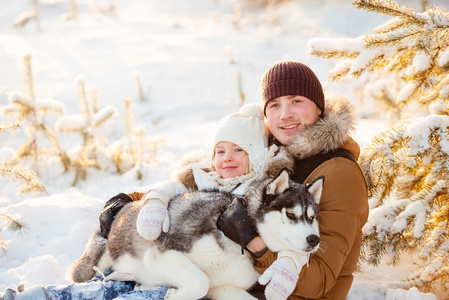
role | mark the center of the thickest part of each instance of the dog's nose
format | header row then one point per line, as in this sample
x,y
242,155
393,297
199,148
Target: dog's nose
x,y
313,240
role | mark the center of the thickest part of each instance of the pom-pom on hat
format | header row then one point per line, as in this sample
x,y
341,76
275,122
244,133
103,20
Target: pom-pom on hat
x,y
291,78
246,129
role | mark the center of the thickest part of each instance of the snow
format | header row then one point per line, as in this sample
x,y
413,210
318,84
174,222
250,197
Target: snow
x,y
406,92
444,59
421,62
187,56
38,103
348,45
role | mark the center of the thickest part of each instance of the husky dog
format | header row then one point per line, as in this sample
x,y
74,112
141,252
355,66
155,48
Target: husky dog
x,y
194,258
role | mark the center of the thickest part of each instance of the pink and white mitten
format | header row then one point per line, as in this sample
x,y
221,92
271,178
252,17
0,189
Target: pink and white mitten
x,y
282,275
152,220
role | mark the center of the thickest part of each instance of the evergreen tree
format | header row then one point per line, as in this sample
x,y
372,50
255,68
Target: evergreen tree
x,y
11,170
32,111
14,172
406,167
87,155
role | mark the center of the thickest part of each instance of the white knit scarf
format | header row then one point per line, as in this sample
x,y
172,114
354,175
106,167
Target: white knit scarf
x,y
229,183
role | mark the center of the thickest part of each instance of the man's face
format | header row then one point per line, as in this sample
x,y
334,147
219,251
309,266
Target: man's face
x,y
287,115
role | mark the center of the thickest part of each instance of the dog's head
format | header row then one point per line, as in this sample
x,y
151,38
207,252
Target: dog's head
x,y
286,213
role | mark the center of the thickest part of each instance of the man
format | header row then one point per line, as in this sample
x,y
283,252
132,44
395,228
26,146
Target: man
x,y
315,131
317,135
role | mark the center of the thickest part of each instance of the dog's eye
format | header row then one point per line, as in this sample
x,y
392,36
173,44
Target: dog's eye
x,y
311,219
291,216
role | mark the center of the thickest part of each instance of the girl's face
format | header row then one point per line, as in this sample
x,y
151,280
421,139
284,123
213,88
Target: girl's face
x,y
230,160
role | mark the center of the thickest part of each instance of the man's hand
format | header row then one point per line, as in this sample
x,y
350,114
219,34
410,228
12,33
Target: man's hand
x,y
282,275
153,218
236,225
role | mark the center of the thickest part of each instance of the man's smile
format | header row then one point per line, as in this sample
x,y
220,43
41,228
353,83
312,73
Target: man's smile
x,y
290,127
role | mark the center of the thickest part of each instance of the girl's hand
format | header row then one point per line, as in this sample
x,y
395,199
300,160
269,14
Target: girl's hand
x,y
153,218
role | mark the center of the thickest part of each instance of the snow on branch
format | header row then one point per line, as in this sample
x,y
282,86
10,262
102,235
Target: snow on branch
x,y
31,110
27,177
38,105
104,114
413,45
339,47
407,173
402,12
406,168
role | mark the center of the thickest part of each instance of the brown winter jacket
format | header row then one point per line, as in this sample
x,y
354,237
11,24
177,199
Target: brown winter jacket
x,y
343,206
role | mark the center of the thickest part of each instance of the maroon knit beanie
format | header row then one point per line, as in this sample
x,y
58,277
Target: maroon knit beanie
x,y
291,78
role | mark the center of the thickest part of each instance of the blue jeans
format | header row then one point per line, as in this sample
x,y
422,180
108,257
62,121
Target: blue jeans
x,y
103,290
96,288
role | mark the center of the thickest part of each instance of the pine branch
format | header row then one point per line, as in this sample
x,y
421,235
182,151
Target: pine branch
x,y
437,92
15,125
85,124
388,8
427,276
330,53
391,25
407,169
437,230
22,174
398,46
394,38
10,223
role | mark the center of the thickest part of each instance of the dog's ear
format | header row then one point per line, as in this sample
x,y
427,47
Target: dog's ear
x,y
279,184
316,188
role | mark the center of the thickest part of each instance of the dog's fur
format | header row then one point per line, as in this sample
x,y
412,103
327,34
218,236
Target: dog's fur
x,y
194,258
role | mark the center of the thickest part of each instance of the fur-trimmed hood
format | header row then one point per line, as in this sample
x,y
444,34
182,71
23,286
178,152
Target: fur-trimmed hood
x,y
278,160
184,171
330,132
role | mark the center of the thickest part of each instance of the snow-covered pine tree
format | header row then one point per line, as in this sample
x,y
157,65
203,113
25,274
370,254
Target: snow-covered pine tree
x,y
33,110
8,223
406,167
14,172
9,170
134,152
87,123
126,152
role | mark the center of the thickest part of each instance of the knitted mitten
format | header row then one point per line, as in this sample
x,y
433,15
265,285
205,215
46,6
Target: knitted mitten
x,y
152,220
282,275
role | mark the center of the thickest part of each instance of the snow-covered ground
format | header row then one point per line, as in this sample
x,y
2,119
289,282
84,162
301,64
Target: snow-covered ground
x,y
188,55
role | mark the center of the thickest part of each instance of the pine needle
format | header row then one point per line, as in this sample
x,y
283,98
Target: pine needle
x,y
28,178
10,223
15,125
386,7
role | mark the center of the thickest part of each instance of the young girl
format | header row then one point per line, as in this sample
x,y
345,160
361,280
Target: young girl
x,y
239,154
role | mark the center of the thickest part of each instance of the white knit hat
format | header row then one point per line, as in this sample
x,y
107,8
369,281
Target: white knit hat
x,y
246,129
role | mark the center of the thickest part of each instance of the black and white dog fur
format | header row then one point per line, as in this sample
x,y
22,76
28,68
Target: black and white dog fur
x,y
194,257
